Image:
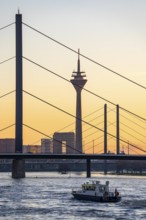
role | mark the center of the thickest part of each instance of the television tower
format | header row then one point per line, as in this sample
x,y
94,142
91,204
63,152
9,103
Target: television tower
x,y
78,82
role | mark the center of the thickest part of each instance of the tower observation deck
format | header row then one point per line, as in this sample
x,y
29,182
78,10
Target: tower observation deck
x,y
78,82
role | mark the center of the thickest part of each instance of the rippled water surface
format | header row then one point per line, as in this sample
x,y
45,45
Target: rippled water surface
x,y
48,196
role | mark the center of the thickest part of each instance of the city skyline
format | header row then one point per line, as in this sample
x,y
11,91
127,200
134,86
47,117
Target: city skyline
x,y
115,41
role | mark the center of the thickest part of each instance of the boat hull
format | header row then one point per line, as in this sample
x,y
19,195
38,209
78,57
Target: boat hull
x,y
96,198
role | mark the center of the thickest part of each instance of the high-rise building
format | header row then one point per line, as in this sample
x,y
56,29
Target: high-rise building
x,y
78,82
63,143
47,145
7,145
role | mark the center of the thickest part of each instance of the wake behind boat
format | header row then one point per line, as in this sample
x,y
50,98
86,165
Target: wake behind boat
x,y
94,191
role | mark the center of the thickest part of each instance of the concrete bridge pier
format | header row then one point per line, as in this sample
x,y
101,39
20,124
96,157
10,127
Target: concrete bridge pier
x,y
18,168
88,168
105,167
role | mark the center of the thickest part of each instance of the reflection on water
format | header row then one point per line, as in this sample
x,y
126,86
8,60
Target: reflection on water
x,y
48,196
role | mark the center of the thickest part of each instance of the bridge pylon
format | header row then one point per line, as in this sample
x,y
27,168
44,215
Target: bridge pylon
x,y
18,165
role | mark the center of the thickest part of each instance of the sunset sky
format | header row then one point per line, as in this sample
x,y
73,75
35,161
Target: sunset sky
x,y
110,32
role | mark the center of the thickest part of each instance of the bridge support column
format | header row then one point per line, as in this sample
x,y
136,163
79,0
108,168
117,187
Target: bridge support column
x,y
18,169
88,168
105,167
118,130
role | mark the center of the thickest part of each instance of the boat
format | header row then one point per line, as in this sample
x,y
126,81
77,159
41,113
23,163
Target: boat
x,y
63,172
95,191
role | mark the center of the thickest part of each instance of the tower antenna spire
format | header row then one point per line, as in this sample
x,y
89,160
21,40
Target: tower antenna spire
x,y
78,54
78,68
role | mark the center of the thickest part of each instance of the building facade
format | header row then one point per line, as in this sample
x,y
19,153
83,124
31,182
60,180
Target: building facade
x,y
7,145
63,143
47,145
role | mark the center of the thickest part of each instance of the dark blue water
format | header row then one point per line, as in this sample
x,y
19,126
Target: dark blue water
x,y
48,196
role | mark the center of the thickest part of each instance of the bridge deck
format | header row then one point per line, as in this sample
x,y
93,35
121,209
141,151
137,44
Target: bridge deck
x,y
72,156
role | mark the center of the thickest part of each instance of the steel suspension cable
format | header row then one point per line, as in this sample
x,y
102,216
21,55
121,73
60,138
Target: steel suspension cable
x,y
91,60
83,88
133,136
46,135
83,117
67,113
4,61
132,121
7,127
6,26
7,94
73,122
133,130
132,150
130,113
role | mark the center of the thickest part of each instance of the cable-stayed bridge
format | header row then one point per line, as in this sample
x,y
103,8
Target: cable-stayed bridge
x,y
128,131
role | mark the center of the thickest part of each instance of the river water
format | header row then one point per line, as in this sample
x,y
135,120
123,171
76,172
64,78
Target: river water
x,y
48,196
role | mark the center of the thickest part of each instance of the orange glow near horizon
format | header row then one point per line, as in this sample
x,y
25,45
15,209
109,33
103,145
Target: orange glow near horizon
x,y
103,34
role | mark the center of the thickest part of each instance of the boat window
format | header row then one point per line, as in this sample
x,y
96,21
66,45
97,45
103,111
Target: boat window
x,y
88,187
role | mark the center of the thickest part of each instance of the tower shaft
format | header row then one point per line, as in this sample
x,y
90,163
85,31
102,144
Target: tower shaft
x,y
18,134
78,82
78,122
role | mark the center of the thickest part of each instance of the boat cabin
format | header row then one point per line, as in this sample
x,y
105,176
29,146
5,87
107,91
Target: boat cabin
x,y
96,186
